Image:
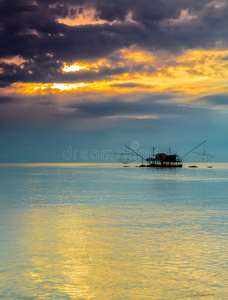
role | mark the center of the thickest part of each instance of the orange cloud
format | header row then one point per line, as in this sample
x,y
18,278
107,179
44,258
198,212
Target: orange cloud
x,y
89,16
86,66
16,60
194,73
82,17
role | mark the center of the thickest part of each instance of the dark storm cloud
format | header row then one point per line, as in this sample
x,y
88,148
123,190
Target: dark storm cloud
x,y
217,99
46,72
154,104
18,112
30,29
42,111
129,85
6,100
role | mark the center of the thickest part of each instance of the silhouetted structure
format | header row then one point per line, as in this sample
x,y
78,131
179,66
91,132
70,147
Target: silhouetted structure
x,y
163,160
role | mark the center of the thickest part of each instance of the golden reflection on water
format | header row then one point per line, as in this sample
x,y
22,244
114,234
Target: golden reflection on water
x,y
204,165
79,252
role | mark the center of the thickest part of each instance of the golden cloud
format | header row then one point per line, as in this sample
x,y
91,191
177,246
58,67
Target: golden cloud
x,y
85,16
195,72
16,60
89,16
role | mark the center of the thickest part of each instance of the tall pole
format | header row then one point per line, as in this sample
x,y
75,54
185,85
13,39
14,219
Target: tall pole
x,y
135,152
193,149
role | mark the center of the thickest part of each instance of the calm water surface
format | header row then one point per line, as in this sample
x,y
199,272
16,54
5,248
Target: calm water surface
x,y
108,232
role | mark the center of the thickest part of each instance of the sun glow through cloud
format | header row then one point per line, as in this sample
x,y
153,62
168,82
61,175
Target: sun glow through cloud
x,y
195,72
74,67
86,66
98,65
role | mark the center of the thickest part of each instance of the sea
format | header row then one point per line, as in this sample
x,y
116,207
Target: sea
x,y
104,231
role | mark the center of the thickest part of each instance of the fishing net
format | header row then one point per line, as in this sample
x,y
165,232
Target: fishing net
x,y
126,158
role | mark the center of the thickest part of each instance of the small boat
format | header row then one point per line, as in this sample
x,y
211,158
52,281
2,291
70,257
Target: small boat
x,y
193,166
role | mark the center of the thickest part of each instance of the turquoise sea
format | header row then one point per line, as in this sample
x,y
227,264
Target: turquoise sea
x,y
104,231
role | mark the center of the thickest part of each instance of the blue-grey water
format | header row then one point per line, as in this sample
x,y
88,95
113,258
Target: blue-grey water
x,y
108,232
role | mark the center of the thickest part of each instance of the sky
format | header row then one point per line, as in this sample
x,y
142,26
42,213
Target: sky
x,y
78,78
